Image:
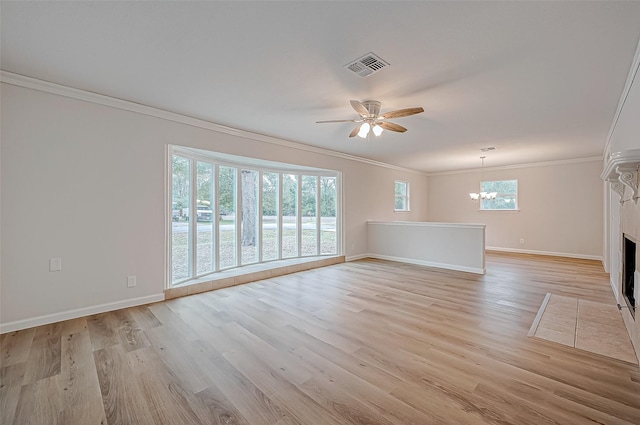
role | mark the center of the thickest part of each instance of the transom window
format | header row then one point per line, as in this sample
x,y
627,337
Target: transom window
x,y
229,211
506,195
401,196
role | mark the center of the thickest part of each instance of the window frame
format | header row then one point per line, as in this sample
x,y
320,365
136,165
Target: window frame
x,y
405,197
501,195
261,166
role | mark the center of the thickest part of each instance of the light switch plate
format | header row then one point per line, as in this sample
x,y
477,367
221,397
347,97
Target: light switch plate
x,y
131,281
55,264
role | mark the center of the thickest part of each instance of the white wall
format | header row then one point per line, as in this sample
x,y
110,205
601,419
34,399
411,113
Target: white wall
x,y
561,207
85,182
444,245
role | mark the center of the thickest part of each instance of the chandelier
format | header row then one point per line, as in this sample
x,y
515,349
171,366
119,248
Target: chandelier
x,y
482,195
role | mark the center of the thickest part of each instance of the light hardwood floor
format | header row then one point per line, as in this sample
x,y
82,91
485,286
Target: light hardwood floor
x,y
365,342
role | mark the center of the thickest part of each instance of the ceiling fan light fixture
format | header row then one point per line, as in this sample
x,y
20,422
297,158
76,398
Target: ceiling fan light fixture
x,y
364,130
371,119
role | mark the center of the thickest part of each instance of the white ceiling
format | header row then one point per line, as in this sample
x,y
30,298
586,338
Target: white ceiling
x,y
538,80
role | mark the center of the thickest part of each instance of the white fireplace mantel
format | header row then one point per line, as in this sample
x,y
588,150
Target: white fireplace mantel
x,y
622,171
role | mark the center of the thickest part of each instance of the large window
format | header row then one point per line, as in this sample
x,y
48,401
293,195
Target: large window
x,y
506,195
232,211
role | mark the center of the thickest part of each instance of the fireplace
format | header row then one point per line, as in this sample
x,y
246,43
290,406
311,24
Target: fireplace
x,y
628,273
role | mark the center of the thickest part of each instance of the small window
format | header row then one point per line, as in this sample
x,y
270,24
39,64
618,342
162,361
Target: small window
x,y
402,196
506,197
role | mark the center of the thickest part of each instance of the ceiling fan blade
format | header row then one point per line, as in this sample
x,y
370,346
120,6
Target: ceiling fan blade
x,y
359,108
392,126
322,122
355,131
402,113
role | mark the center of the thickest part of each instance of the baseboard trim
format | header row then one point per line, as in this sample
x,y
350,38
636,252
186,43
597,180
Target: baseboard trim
x,y
614,289
357,257
455,267
550,253
78,312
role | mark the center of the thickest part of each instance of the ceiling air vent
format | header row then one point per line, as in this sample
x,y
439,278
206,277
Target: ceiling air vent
x,y
367,65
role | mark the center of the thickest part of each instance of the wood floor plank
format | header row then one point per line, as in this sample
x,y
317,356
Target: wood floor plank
x,y
362,342
341,382
220,410
169,401
252,403
40,403
11,378
121,395
15,346
44,355
79,378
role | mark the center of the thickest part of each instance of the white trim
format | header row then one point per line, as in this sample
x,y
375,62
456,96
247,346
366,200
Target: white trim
x,y
357,257
536,320
550,253
510,211
430,224
626,158
78,312
429,264
614,288
633,71
517,166
100,99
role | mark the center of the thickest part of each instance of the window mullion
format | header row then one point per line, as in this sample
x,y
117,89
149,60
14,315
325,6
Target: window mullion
x,y
193,219
238,216
318,214
259,211
299,213
280,230
216,217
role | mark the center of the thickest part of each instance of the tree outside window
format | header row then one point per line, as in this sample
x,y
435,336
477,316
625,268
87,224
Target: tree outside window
x,y
506,198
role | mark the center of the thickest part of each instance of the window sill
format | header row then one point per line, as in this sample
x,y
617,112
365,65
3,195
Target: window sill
x,y
507,211
249,273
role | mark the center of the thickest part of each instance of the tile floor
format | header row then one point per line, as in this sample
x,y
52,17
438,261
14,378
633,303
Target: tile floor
x,y
586,325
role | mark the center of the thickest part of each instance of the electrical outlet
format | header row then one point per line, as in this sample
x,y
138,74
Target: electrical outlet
x,y
55,264
131,281
521,240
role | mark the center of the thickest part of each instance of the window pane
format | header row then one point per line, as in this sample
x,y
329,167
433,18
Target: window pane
x,y
506,195
205,217
309,215
289,215
401,196
180,201
227,202
328,243
249,187
269,216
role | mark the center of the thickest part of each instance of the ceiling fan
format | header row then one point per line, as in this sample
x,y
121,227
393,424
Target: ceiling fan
x,y
372,120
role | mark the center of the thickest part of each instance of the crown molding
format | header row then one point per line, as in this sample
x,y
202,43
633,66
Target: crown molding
x,y
516,166
126,105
